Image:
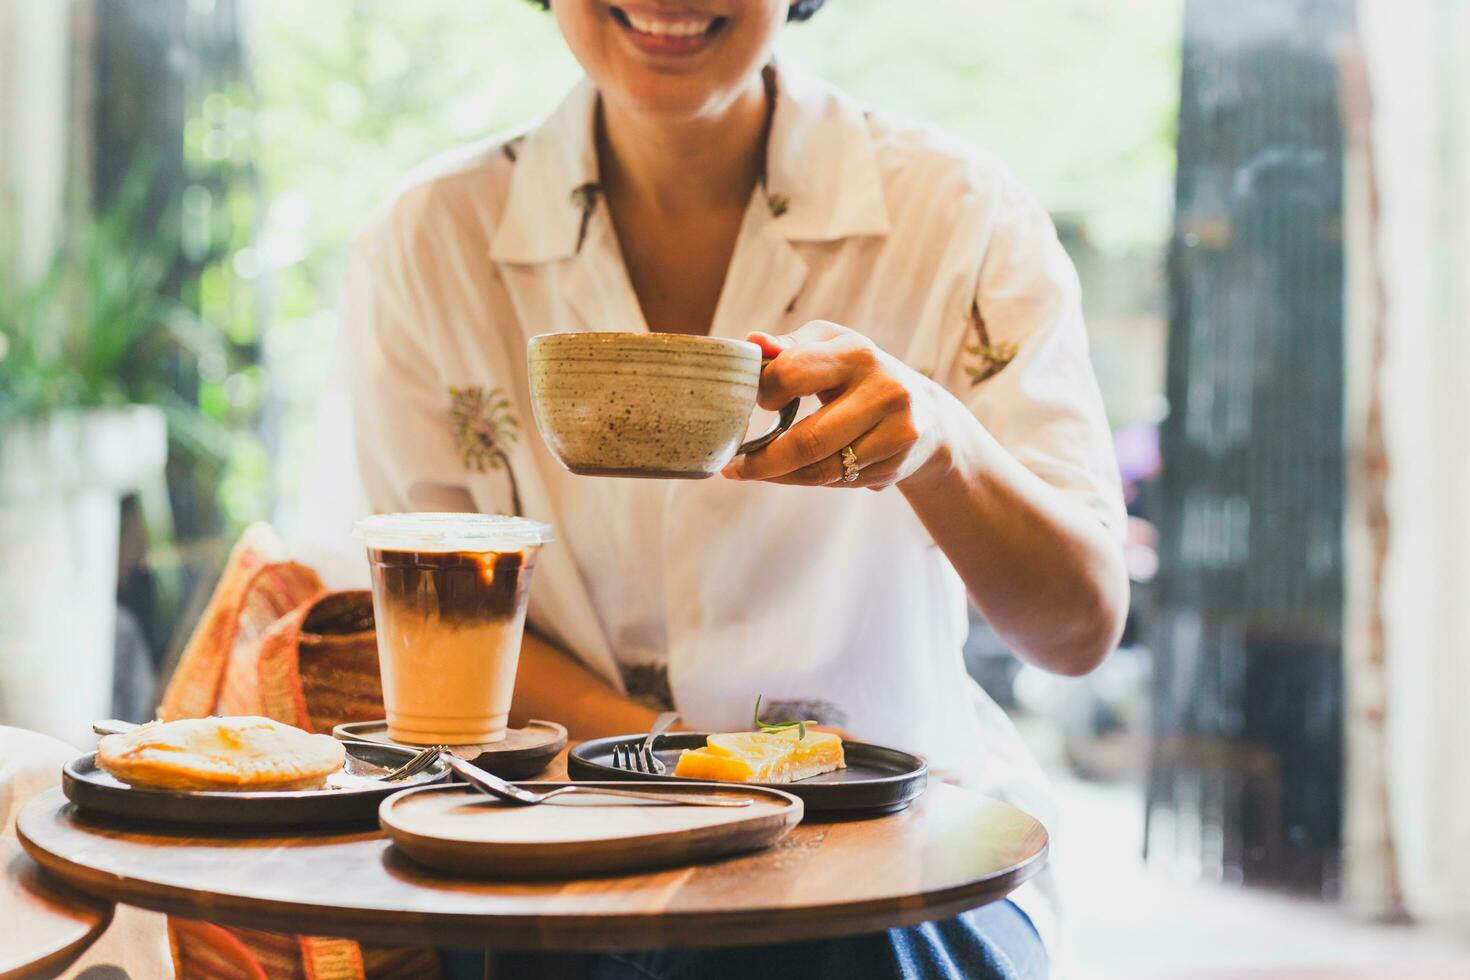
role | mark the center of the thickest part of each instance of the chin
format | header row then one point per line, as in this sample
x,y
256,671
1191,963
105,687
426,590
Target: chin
x,y
670,58
670,98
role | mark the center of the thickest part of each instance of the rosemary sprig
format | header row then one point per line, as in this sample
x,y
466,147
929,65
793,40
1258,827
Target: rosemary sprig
x,y
771,727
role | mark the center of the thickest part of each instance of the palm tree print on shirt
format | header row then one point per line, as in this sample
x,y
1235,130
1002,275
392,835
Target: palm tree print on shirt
x,y
484,430
990,358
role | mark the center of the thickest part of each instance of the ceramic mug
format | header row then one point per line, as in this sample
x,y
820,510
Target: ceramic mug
x,y
656,405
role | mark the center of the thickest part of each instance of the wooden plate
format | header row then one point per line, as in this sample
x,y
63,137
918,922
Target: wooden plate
x,y
523,752
464,832
877,779
353,800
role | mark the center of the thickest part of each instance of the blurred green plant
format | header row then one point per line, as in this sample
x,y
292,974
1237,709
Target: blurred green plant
x,y
95,326
351,96
221,212
102,325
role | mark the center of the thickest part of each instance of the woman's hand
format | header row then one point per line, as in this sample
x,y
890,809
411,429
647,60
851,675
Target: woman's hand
x,y
871,401
1046,573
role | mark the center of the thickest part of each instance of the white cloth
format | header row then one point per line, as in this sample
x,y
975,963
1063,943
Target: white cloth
x,y
1408,802
135,942
833,596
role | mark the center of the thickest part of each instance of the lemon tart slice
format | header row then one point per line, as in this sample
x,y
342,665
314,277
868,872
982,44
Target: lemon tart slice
x,y
763,757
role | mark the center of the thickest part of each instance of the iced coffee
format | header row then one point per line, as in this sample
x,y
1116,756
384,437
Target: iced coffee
x,y
449,597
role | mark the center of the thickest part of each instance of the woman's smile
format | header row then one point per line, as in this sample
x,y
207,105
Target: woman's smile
x,y
667,32
673,59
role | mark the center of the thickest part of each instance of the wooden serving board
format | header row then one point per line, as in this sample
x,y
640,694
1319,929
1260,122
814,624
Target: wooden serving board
x,y
947,852
464,832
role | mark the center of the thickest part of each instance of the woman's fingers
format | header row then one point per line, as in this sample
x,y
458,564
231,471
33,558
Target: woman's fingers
x,y
870,402
885,443
875,476
808,369
809,332
810,441
823,363
880,475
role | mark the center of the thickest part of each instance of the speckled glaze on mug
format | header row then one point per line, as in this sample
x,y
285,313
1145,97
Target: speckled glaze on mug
x,y
656,405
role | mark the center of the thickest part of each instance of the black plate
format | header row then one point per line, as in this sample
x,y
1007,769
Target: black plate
x,y
523,753
877,779
96,791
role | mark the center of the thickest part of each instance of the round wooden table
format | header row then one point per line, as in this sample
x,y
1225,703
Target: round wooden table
x,y
948,852
44,926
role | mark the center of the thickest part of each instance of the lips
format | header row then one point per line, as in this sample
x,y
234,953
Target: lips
x,y
661,31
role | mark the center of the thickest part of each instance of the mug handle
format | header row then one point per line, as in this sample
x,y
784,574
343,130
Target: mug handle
x,y
783,422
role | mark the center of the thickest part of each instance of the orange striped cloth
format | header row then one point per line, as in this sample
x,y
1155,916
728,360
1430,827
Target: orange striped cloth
x,y
274,642
194,689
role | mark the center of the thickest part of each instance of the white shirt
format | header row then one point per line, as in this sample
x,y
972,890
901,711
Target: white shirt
x,y
834,597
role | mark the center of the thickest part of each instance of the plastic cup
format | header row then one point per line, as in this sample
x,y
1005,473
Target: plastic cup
x,y
449,597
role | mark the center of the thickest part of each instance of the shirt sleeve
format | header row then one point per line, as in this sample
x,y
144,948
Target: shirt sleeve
x,y
1022,366
407,455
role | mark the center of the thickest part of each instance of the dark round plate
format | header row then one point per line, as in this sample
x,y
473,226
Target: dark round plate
x,y
877,779
523,752
96,791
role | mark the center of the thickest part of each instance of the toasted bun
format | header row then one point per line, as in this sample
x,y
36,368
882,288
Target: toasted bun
x,y
241,753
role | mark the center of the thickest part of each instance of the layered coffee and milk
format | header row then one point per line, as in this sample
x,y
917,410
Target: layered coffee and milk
x,y
449,596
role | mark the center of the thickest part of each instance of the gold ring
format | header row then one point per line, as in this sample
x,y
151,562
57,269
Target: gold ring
x,y
849,465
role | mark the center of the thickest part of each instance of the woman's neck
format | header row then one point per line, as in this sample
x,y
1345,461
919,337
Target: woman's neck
x,y
686,166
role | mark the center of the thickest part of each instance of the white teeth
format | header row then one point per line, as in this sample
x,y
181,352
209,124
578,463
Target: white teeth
x,y
668,28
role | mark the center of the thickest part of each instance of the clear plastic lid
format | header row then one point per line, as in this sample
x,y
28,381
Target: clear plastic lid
x,y
451,532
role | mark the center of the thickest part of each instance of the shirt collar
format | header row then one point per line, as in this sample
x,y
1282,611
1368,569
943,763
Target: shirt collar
x,y
822,181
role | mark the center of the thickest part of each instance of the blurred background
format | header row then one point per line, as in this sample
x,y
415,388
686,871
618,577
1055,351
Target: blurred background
x,y
1268,202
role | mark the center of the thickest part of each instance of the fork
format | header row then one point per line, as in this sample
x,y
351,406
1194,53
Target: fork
x,y
355,766
424,760
511,793
641,759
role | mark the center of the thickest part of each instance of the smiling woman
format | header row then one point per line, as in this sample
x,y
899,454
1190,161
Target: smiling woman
x,y
799,9
906,288
670,59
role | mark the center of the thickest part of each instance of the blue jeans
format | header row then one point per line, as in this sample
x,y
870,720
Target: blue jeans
x,y
994,942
